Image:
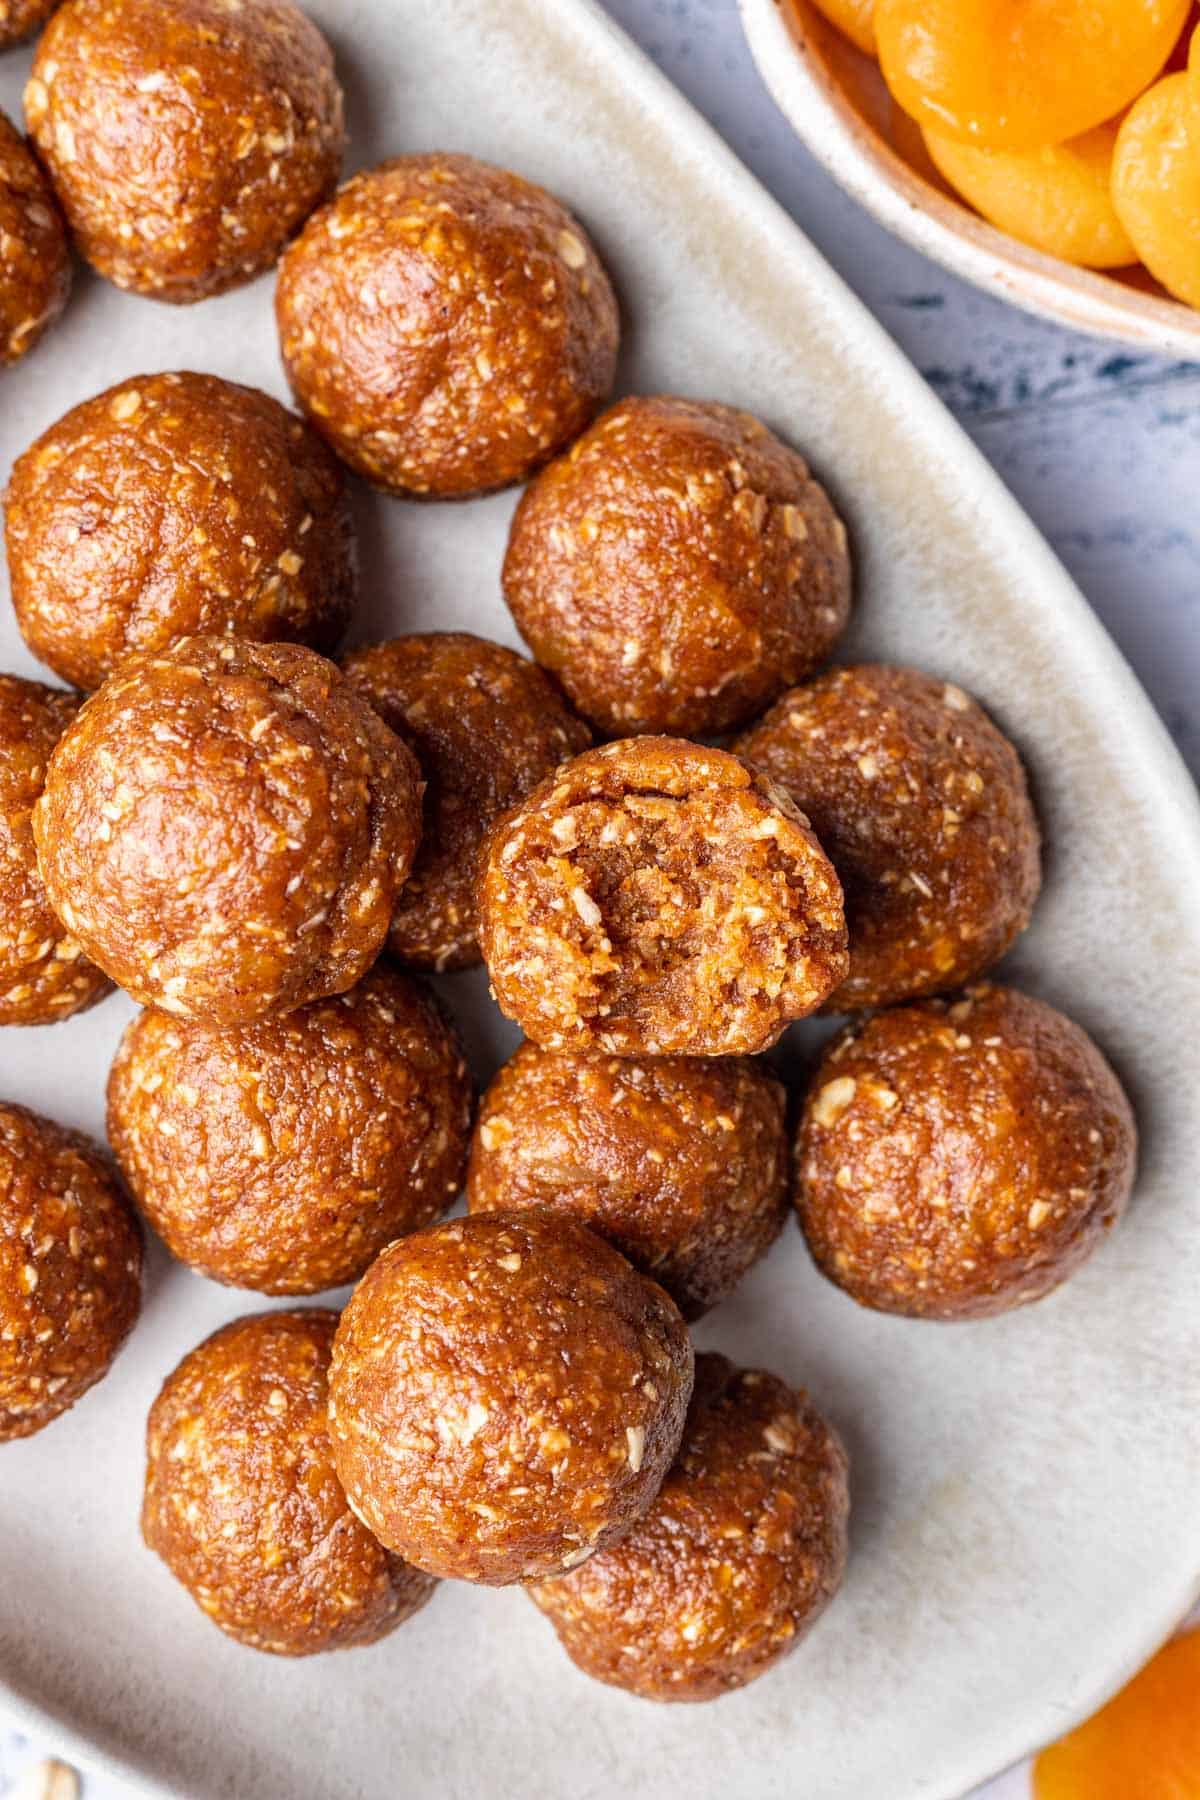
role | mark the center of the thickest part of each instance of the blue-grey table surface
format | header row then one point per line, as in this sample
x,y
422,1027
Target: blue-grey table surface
x,y
1100,444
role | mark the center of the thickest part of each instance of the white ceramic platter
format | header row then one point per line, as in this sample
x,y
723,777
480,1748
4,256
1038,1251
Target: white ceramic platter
x,y
1026,1523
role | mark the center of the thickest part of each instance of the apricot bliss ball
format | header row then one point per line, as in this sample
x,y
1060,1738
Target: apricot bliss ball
x,y
732,1564
188,142
285,1154
44,974
225,827
960,1157
485,725
35,266
174,504
70,1269
656,898
20,18
677,568
679,1161
242,1502
447,325
923,808
506,1395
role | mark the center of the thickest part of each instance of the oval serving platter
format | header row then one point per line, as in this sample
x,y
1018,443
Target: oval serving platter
x,y
1025,1522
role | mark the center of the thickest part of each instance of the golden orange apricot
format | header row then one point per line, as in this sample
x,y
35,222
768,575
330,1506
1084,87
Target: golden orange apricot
x,y
1144,1745
855,19
1016,74
1058,198
1178,58
1156,184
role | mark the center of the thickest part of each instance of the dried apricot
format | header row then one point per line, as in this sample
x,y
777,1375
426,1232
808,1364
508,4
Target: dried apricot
x,y
1145,1742
855,19
1058,198
1015,74
1156,183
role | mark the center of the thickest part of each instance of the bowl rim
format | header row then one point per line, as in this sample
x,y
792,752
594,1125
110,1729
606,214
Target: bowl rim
x,y
784,37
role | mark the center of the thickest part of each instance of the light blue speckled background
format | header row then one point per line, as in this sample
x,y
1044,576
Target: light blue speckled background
x,y
1100,446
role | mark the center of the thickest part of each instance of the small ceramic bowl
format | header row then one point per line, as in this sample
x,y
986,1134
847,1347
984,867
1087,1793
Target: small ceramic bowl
x,y
836,99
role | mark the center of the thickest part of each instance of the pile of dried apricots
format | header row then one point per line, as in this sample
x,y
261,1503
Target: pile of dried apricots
x,y
1073,125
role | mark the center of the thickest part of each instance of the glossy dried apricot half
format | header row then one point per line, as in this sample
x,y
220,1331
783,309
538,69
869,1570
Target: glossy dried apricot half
x,y
1015,74
1058,198
1144,1745
1156,183
855,19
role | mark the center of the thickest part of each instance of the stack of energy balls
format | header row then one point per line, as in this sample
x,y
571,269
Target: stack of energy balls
x,y
268,849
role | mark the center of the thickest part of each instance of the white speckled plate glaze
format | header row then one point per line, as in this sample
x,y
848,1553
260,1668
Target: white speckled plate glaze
x,y
1027,1491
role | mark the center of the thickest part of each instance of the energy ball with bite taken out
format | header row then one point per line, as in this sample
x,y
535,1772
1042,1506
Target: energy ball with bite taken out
x,y
677,568
657,898
70,1269
225,827
486,725
242,1502
447,325
44,974
284,1155
506,1395
923,808
188,142
734,1562
170,505
959,1158
35,266
21,18
679,1161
